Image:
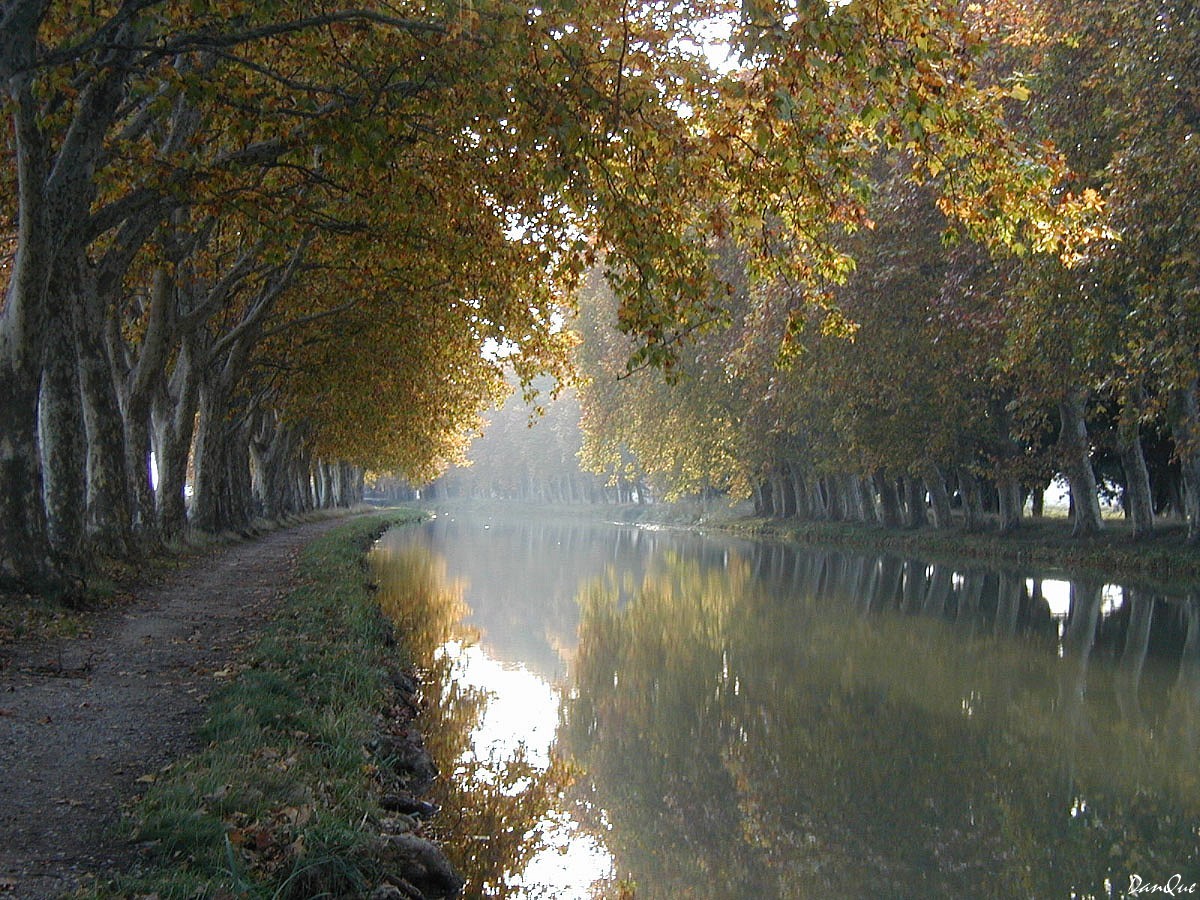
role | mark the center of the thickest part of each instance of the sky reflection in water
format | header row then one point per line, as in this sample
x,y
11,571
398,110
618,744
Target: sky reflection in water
x,y
758,721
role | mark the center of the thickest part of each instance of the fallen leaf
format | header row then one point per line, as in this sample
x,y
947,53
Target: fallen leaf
x,y
147,779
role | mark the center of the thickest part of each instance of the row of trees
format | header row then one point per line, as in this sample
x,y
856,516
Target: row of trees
x,y
251,250
259,242
941,373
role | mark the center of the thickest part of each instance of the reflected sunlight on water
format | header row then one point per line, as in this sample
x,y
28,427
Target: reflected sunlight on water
x,y
748,719
522,713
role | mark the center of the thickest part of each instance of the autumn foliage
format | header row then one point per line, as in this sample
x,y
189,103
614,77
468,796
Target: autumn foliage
x,y
269,246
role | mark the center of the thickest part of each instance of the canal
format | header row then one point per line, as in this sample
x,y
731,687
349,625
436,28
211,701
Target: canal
x,y
624,711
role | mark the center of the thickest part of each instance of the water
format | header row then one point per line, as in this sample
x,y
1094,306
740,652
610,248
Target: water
x,y
747,719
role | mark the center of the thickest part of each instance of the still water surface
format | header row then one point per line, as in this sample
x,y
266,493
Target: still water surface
x,y
753,720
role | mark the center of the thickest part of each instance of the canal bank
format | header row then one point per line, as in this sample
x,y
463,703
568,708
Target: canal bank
x,y
311,773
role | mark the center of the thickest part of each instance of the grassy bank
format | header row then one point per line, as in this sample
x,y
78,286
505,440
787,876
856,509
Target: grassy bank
x,y
1164,562
286,799
112,583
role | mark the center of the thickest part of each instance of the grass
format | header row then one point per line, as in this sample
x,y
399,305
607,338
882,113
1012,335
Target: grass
x,y
281,800
111,583
1164,562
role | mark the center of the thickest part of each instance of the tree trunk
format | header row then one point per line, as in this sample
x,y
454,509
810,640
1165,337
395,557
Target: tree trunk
x,y
137,388
856,502
787,494
818,503
935,483
1009,502
174,420
50,208
972,501
1037,502
889,501
1140,503
837,497
109,504
870,514
799,491
914,500
1186,431
1077,465
213,436
63,447
26,560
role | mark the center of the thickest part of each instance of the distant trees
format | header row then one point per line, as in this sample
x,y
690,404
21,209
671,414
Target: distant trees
x,y
531,453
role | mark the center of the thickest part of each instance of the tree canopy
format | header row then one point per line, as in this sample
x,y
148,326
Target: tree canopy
x,y
973,272
281,243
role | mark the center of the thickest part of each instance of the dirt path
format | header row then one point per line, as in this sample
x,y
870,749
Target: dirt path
x,y
82,720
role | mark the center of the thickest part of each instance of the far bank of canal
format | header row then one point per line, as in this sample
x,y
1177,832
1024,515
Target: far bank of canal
x,y
624,709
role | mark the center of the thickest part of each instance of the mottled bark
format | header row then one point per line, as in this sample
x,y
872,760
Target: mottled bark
x,y
1077,465
109,504
787,494
761,499
867,493
143,376
836,498
174,418
1009,503
1037,502
1139,501
818,503
26,559
800,491
856,502
62,442
273,452
223,490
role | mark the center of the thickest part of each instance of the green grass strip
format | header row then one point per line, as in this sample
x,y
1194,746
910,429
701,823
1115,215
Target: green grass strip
x,y
1166,561
281,801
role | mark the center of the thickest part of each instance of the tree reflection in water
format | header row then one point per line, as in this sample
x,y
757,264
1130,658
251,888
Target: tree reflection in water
x,y
495,806
748,735
759,721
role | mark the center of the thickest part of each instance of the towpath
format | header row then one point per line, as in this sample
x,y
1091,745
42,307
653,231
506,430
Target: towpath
x,y
86,723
